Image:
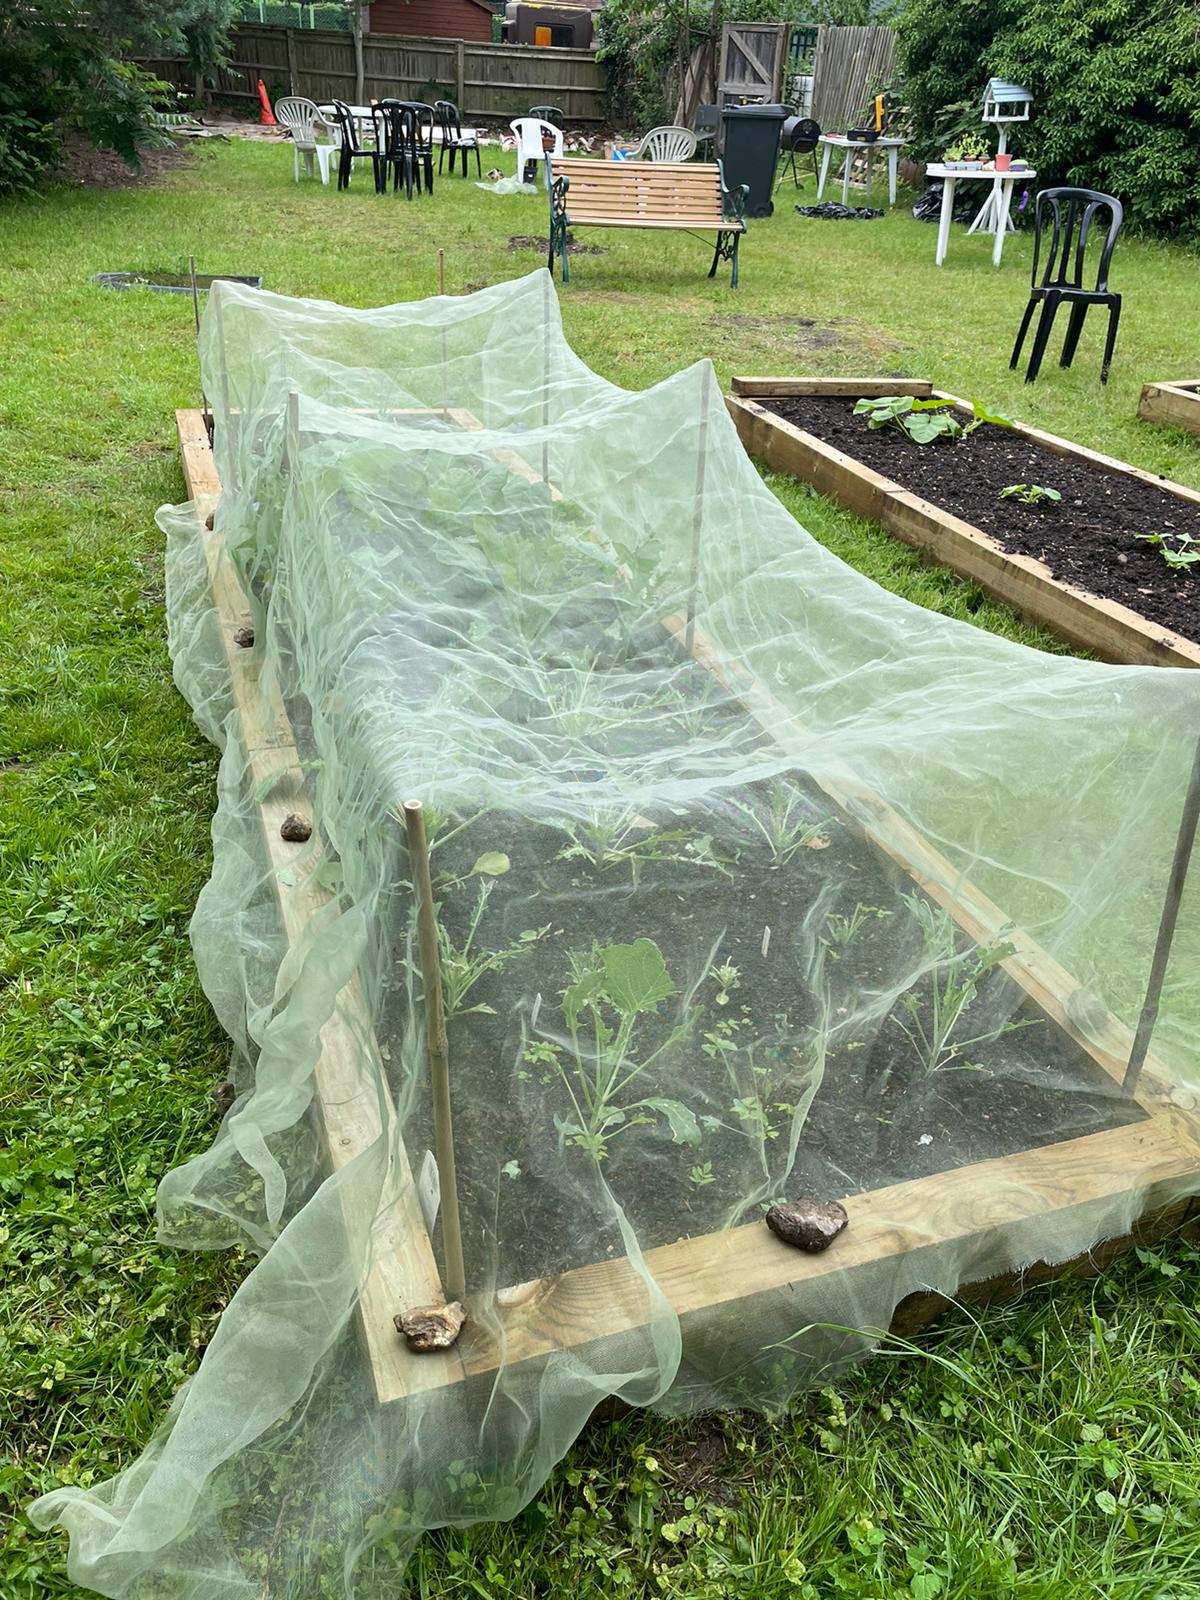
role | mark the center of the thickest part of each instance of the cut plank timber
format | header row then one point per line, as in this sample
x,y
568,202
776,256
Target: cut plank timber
x,y
1176,404
1113,631
351,1096
919,388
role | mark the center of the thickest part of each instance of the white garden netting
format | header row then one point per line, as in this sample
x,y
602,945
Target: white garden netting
x,y
699,797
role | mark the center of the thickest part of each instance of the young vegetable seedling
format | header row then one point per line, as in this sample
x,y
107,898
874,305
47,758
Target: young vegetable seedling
x,y
1029,494
1178,550
924,421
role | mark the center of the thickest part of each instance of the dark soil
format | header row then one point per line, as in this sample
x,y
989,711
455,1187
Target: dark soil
x,y
529,241
87,164
1088,539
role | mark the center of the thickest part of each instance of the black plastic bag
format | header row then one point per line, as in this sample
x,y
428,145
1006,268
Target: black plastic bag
x,y
929,207
832,212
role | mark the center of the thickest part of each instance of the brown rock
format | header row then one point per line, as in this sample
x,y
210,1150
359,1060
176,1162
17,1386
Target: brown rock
x,y
244,637
222,1096
208,521
431,1327
807,1223
295,829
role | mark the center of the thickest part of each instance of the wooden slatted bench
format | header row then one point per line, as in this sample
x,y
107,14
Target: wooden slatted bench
x,y
686,195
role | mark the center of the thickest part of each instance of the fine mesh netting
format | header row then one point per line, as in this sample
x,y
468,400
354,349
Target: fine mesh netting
x,y
752,881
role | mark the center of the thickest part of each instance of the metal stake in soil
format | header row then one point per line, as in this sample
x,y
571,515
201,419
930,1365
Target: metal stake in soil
x,y
1180,861
438,1050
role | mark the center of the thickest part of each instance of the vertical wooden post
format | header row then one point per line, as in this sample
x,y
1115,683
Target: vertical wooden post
x,y
1185,839
698,512
438,1050
460,74
293,78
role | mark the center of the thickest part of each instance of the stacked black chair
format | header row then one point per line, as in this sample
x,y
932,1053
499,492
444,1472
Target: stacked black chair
x,y
350,148
424,118
396,136
547,114
1071,213
454,140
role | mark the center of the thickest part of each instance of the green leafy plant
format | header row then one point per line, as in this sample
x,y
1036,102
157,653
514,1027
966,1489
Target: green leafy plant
x,y
614,988
787,824
1030,494
924,421
627,839
1180,551
465,962
935,1011
843,930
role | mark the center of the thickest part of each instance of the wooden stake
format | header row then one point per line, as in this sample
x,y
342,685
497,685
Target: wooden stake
x,y
1180,861
698,513
441,272
438,1050
196,320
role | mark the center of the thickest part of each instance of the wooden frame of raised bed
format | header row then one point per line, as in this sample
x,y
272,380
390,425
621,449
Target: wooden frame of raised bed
x,y
1113,631
985,1210
1177,404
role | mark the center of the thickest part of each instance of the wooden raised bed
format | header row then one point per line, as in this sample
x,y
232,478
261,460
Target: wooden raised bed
x,y
1177,404
987,1211
1112,631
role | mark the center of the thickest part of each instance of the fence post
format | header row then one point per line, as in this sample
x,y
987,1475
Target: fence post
x,y
460,73
293,82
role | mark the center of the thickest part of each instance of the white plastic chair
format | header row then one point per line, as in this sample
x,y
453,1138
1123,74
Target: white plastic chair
x,y
530,132
302,119
669,143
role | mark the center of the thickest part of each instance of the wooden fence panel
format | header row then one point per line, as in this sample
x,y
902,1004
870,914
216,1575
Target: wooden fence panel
x,y
485,80
851,65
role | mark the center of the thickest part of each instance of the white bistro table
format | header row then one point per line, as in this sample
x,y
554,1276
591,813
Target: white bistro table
x,y
854,147
994,217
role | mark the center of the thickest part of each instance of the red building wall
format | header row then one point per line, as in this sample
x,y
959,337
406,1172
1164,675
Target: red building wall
x,y
432,19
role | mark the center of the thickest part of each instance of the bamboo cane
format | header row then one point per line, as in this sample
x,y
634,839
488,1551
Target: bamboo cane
x,y
1180,861
437,1049
698,512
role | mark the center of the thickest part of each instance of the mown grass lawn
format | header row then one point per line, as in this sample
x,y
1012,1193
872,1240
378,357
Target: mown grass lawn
x,y
1047,1449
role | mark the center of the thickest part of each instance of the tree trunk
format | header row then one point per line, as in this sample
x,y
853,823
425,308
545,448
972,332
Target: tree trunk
x,y
359,73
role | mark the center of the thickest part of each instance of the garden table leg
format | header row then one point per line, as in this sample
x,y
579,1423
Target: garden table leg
x,y
826,152
892,159
870,168
846,177
1002,219
944,220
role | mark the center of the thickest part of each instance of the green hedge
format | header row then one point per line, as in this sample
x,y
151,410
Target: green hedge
x,y
1116,92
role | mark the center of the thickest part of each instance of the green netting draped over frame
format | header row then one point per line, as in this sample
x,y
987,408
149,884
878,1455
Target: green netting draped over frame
x,y
752,881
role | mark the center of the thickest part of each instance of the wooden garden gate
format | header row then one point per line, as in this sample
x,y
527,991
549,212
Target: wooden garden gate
x,y
753,57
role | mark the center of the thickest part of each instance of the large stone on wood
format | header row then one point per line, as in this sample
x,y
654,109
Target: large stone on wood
x,y
808,1224
431,1327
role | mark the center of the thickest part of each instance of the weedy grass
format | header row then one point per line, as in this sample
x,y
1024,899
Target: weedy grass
x,y
1047,1449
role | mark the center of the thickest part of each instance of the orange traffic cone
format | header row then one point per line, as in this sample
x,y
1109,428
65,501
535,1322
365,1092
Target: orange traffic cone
x,y
267,119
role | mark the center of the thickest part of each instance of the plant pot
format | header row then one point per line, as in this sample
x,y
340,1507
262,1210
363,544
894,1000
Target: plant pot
x,y
547,143
1003,163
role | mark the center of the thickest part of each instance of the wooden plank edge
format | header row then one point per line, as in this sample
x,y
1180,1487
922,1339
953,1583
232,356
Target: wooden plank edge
x,y
352,1112
1113,631
989,1210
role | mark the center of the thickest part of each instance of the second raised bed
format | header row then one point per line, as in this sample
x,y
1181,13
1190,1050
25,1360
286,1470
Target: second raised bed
x,y
1019,561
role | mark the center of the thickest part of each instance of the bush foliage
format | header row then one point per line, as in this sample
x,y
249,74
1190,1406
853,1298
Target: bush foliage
x,y
64,64
1116,91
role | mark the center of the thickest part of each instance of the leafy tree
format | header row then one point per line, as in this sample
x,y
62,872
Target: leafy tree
x,y
65,63
1116,90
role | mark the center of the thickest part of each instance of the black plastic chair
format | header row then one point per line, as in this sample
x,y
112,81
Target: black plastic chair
x,y
800,137
1072,212
547,114
454,140
396,136
349,147
424,118
706,124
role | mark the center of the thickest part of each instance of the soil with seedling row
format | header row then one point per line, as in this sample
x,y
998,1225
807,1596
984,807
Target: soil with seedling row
x,y
534,1203
1087,539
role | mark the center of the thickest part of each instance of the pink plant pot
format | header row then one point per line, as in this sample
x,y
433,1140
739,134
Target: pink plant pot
x,y
1003,163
